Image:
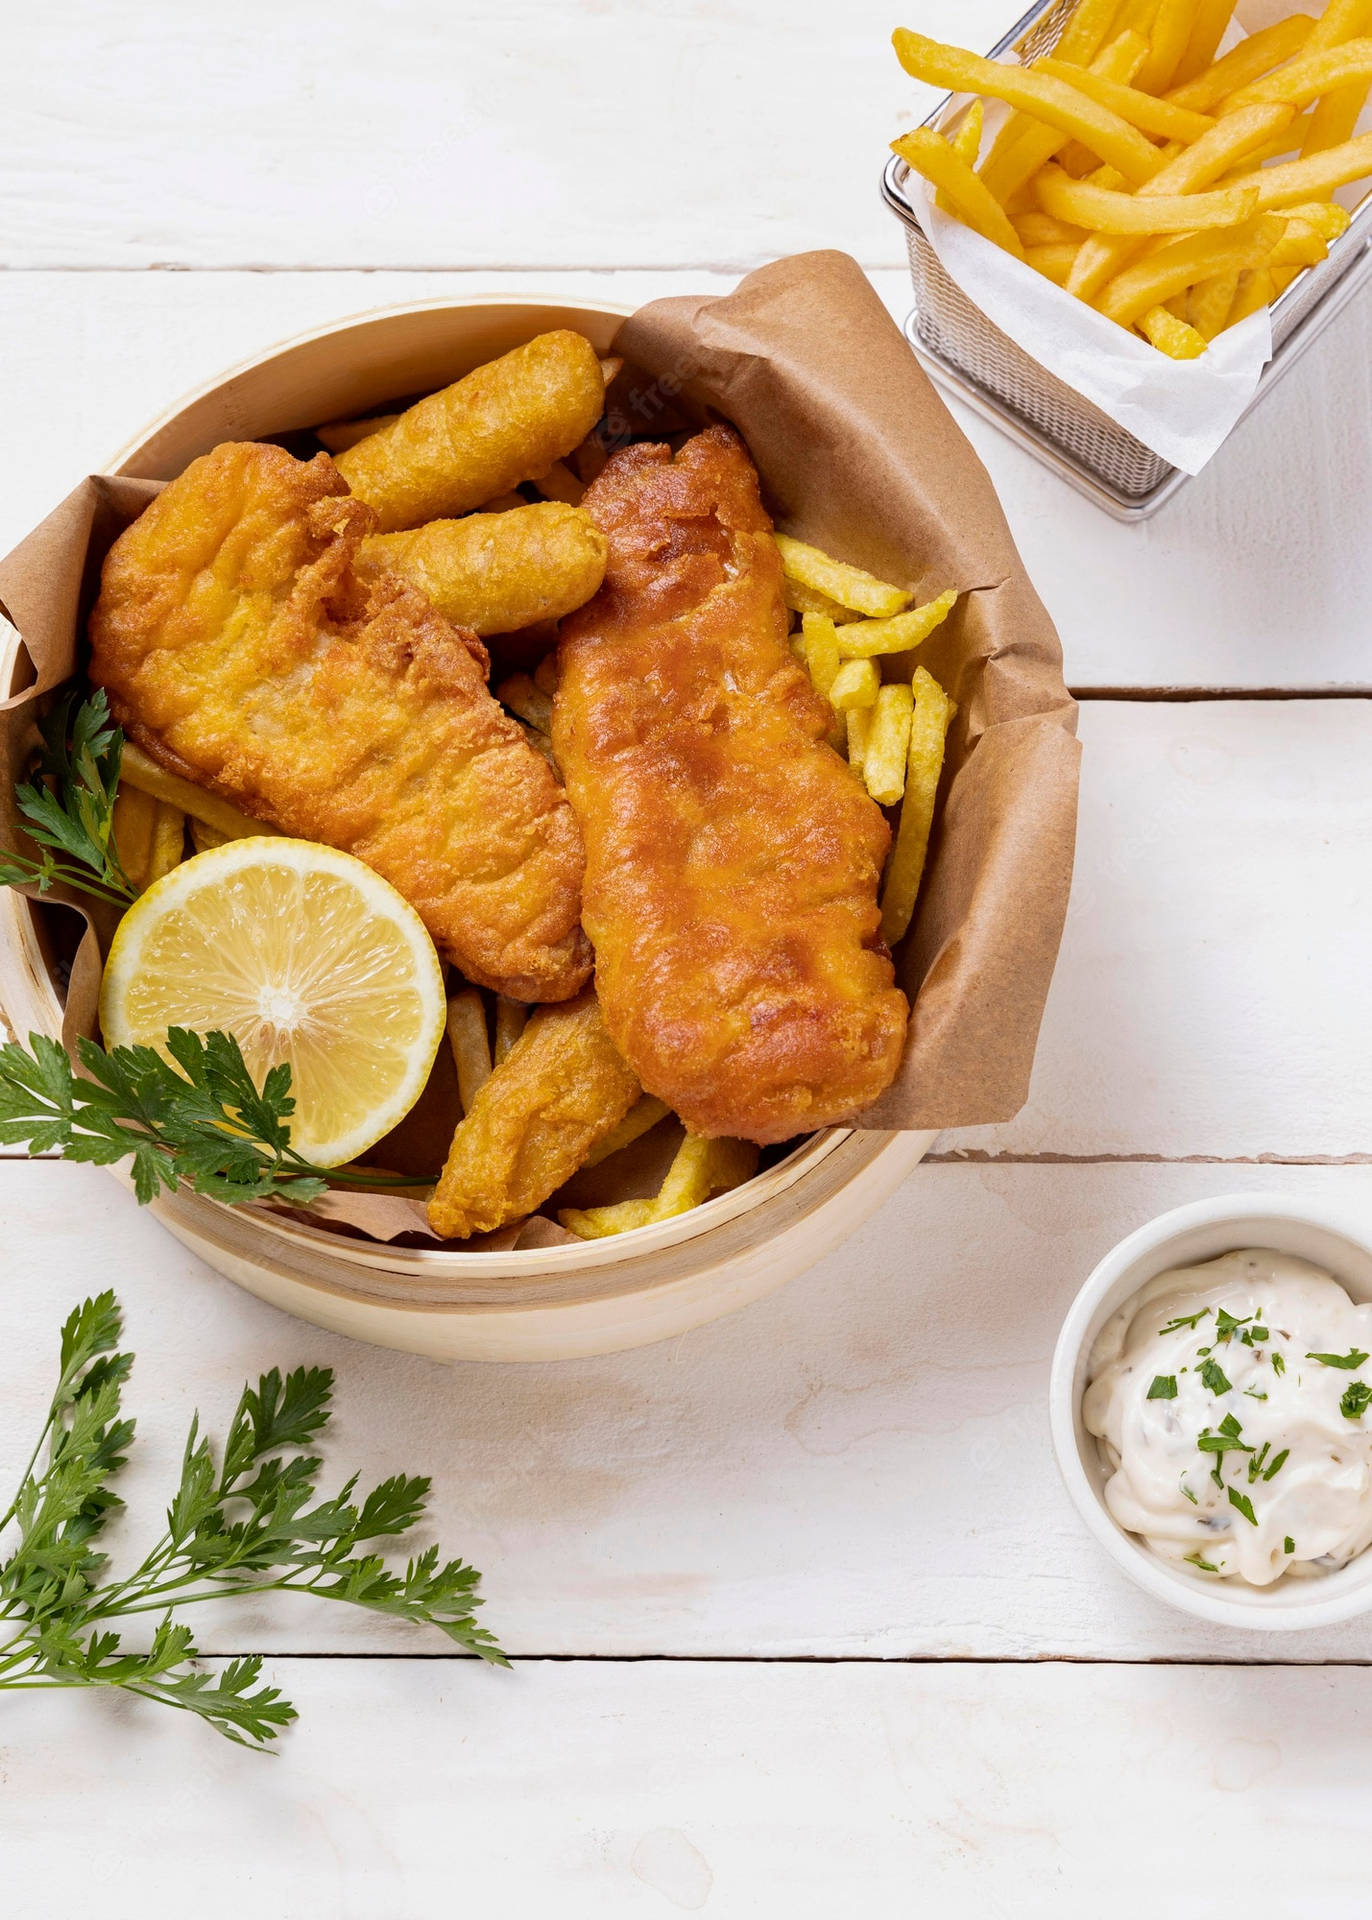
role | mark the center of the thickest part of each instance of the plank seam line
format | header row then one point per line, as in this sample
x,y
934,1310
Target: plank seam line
x,y
810,1659
488,266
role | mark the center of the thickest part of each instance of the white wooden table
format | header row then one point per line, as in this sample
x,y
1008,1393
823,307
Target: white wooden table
x,y
803,1623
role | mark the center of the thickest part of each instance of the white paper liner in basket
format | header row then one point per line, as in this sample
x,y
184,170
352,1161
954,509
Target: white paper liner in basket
x,y
1183,409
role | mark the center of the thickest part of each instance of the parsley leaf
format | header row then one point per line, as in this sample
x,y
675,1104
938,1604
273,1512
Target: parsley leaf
x,y
1226,1325
208,1124
1243,1503
1348,1361
1356,1400
1164,1387
250,1524
68,804
1213,1376
1288,1545
1279,1460
1185,1320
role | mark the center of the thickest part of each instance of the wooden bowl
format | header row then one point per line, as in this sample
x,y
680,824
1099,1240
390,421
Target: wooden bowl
x,y
598,1296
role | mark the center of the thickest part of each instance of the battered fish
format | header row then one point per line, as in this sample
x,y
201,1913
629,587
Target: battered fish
x,y
732,862
242,649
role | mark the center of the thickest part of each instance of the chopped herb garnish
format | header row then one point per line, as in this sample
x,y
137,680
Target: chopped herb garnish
x,y
1231,1424
1348,1361
1205,1566
1356,1400
1279,1460
1185,1320
1288,1545
1255,1333
1255,1464
1187,1491
1251,1393
1202,1351
1212,1373
1227,1324
1244,1505
1278,1364
1164,1387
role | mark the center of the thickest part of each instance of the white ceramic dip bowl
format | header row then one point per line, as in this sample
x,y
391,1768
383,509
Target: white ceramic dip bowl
x,y
1334,1241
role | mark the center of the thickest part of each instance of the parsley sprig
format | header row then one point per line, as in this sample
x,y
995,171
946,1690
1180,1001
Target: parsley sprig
x,y
246,1522
68,803
208,1124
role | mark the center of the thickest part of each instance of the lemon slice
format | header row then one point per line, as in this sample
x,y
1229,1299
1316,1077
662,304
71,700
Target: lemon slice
x,y
303,954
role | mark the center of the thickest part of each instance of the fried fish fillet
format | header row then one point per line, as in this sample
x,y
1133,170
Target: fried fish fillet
x,y
732,862
242,648
560,1091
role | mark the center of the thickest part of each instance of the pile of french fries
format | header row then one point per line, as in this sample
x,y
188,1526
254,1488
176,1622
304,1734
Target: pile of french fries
x,y
1174,189
893,725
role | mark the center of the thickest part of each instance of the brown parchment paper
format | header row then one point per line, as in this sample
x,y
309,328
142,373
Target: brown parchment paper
x,y
858,455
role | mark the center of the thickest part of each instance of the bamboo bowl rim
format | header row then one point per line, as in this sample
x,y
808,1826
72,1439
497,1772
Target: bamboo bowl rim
x,y
27,991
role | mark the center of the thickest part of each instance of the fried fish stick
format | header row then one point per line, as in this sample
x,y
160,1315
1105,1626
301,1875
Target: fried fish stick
x,y
242,650
506,422
732,860
562,1089
498,572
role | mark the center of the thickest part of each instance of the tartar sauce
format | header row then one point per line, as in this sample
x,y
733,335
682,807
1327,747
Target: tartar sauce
x,y
1233,1405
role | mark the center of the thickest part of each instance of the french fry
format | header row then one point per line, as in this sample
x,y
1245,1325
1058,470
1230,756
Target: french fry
x,y
1247,62
140,770
1212,18
339,435
801,599
966,142
1194,257
1288,141
1104,212
1142,110
1334,119
1062,106
1023,145
967,196
1137,16
850,586
1327,217
1173,25
1299,246
859,735
1054,263
865,639
855,684
1229,141
1042,230
821,650
133,824
511,1017
1210,305
168,841
560,483
1084,35
883,766
1312,178
1256,289
1310,77
204,837
930,720
1174,337
701,1167
471,1047
599,1223
641,1118
522,696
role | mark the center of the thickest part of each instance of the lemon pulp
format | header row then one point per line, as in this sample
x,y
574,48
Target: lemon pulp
x,y
304,955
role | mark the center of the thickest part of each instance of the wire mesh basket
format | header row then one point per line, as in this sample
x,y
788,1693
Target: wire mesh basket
x,y
966,351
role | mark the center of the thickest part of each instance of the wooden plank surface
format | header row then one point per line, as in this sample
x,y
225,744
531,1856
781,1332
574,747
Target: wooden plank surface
x,y
857,1467
609,1792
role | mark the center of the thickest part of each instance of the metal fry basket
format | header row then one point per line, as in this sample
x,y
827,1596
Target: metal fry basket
x,y
965,352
